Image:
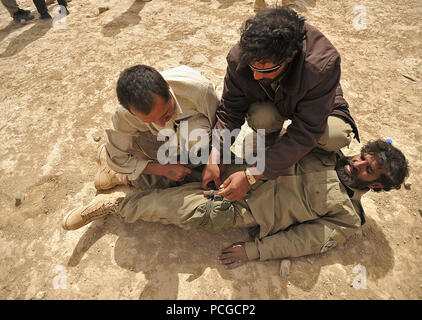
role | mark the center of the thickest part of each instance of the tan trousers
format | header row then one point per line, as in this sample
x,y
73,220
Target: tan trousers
x,y
187,207
264,115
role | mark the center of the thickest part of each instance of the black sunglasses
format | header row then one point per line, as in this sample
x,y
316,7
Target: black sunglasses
x,y
267,70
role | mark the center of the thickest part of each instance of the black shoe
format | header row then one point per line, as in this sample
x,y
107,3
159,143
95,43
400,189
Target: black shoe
x,y
24,12
45,16
20,15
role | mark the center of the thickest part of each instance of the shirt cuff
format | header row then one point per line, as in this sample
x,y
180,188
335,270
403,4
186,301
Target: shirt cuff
x,y
251,250
140,166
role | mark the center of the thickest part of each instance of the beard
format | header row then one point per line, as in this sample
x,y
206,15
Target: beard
x,y
351,181
266,81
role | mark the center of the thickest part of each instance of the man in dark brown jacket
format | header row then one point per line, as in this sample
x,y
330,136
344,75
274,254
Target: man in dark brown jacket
x,y
282,68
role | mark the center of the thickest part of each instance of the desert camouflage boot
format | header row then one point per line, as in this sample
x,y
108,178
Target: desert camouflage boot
x,y
100,206
106,178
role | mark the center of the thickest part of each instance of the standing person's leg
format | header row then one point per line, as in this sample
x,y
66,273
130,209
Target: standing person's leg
x,y
42,9
64,4
15,12
11,6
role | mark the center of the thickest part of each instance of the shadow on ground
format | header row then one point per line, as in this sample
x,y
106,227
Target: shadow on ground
x,y
37,31
127,19
162,252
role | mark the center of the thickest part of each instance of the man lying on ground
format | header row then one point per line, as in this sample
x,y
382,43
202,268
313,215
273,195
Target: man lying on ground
x,y
310,208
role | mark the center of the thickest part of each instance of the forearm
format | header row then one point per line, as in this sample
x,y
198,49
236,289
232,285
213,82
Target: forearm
x,y
155,168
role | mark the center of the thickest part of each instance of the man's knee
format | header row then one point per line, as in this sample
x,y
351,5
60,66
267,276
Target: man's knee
x,y
264,115
337,135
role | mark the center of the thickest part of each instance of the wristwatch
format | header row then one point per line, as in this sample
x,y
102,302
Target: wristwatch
x,y
250,177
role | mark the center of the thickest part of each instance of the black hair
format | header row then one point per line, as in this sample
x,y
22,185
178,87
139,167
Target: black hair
x,y
273,34
136,86
392,159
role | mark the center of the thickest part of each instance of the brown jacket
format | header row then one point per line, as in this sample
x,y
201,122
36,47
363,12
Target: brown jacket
x,y
309,92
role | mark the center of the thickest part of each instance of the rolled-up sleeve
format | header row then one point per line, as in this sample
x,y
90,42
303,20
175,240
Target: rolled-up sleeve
x,y
315,236
120,147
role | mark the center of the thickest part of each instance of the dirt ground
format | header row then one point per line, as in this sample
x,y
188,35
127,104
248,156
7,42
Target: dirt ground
x,y
57,96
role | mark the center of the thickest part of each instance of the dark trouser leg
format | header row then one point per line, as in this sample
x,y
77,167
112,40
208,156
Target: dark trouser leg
x,y
41,6
11,6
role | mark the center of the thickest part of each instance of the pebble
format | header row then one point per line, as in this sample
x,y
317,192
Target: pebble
x,y
285,267
102,9
40,295
408,183
19,197
97,138
408,76
417,237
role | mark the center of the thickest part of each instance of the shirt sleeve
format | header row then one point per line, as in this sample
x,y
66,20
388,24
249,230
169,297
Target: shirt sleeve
x,y
315,236
233,105
120,142
308,123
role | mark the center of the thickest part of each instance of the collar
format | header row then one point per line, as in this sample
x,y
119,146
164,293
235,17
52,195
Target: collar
x,y
177,109
355,194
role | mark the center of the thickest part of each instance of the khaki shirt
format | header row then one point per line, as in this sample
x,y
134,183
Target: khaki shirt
x,y
194,96
304,211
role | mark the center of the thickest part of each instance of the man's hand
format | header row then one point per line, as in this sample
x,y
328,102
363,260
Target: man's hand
x,y
233,256
212,170
236,186
176,172
211,173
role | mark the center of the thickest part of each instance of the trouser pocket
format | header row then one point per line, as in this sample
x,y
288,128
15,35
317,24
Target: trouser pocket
x,y
215,215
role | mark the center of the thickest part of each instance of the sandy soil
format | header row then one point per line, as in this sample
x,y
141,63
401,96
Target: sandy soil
x,y
58,93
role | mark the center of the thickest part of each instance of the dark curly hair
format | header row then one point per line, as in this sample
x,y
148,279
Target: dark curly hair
x,y
136,86
390,158
272,34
